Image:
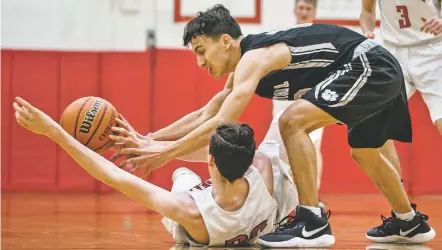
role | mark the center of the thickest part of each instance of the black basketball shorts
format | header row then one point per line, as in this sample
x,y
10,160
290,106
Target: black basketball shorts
x,y
368,95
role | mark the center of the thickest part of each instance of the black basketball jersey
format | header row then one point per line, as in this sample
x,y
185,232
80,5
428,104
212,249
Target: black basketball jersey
x,y
317,50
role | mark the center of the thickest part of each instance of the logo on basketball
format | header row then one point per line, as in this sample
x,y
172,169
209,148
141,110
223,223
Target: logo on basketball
x,y
90,117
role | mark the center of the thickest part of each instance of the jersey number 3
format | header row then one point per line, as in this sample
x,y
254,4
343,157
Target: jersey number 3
x,y
404,22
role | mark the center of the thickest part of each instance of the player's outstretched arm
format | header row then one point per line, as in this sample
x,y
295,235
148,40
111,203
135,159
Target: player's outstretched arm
x,y
249,71
251,68
178,207
367,19
191,121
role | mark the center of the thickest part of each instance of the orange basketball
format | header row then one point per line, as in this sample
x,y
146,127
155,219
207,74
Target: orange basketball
x,y
89,120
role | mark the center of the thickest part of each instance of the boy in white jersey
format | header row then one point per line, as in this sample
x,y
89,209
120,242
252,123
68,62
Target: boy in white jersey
x,y
236,209
412,31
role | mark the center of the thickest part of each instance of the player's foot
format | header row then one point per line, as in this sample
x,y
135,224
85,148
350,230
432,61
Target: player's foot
x,y
395,230
182,171
303,229
322,205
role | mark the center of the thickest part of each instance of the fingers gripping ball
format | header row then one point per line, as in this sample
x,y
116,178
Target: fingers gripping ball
x,y
90,121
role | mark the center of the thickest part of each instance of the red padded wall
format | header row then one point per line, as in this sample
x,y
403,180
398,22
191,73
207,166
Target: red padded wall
x,y
425,166
125,82
33,158
7,118
152,91
79,77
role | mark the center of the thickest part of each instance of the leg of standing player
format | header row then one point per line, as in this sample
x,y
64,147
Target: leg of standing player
x,y
373,76
425,66
305,12
390,153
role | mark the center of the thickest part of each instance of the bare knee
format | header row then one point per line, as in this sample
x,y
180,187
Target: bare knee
x,y
291,122
294,120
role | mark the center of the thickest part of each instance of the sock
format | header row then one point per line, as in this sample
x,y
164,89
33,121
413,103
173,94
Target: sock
x,y
315,210
405,216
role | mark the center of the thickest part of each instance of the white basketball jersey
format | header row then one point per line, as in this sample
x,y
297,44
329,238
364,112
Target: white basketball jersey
x,y
401,20
256,217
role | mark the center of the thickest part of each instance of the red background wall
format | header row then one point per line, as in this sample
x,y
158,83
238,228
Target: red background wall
x,y
152,89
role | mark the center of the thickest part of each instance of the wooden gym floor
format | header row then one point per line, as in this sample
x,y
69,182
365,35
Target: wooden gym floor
x,y
112,221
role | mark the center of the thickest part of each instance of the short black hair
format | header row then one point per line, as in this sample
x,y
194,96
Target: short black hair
x,y
312,2
233,148
212,23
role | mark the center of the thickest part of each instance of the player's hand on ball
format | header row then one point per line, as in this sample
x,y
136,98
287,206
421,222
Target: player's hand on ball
x,y
127,138
369,34
32,118
432,25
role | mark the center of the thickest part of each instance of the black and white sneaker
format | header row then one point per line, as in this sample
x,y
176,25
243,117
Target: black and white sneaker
x,y
303,229
395,230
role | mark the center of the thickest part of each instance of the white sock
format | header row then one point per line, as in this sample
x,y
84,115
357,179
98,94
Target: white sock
x,y
405,216
315,210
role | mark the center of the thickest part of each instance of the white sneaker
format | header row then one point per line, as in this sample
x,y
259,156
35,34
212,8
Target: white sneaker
x,y
182,171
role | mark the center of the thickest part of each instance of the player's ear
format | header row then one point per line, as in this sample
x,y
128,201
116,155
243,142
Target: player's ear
x,y
226,40
211,161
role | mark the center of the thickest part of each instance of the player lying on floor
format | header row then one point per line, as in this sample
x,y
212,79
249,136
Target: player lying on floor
x,y
235,210
272,146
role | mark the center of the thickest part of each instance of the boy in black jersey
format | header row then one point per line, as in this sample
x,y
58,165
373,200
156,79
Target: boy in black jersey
x,y
344,77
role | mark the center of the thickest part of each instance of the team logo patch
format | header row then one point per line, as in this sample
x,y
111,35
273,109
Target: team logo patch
x,y
329,95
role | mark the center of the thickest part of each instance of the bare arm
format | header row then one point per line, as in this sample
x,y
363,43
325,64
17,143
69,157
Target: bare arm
x,y
200,155
367,18
170,205
248,73
191,121
264,166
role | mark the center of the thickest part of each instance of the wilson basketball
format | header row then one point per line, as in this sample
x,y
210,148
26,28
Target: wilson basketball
x,y
90,121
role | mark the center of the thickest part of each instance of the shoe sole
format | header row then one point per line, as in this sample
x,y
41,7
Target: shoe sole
x,y
397,246
325,240
418,238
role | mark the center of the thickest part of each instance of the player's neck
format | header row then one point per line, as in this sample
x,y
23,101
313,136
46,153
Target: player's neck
x,y
236,54
230,196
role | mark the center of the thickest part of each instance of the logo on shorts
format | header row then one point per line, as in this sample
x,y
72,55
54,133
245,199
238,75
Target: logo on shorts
x,y
329,95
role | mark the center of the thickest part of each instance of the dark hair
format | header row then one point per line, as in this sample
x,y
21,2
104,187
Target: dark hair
x,y
212,23
312,2
233,148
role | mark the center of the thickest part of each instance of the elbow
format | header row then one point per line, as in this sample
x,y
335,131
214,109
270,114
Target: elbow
x,y
222,120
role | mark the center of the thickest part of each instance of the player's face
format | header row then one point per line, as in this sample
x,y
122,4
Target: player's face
x,y
212,54
305,12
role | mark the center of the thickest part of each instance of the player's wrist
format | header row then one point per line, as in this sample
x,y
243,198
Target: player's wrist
x,y
54,132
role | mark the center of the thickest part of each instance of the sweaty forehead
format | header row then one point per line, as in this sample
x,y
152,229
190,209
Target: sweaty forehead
x,y
197,41
200,41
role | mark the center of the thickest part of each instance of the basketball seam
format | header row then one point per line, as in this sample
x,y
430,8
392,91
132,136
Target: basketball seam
x,y
110,140
78,116
98,125
106,143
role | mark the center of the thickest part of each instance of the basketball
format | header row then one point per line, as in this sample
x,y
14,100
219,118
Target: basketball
x,y
90,121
